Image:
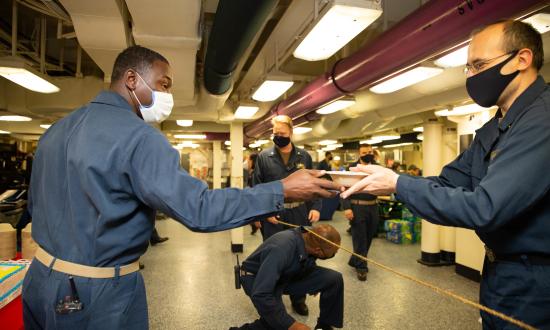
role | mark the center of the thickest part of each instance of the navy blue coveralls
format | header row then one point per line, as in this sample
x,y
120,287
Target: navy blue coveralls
x,y
281,265
363,226
270,167
500,187
99,175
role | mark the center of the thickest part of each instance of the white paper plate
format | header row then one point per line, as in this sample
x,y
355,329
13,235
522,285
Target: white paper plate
x,y
346,178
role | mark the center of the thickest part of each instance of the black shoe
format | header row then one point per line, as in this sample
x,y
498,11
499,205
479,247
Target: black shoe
x,y
361,275
300,308
141,266
159,240
321,326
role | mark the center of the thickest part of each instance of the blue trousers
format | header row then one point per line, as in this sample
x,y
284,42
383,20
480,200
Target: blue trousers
x,y
296,216
327,282
520,290
115,303
363,229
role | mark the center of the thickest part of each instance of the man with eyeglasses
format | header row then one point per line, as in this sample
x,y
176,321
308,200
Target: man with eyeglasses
x,y
285,264
500,185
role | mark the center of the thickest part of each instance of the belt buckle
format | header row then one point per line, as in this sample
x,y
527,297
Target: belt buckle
x,y
490,254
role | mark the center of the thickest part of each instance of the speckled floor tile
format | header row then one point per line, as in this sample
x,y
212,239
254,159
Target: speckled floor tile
x,y
190,285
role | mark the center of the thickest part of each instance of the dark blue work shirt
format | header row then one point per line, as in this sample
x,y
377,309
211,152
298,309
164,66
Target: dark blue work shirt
x,y
499,185
270,167
281,258
101,172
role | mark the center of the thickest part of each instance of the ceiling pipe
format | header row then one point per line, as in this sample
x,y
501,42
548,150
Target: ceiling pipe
x,y
236,24
432,29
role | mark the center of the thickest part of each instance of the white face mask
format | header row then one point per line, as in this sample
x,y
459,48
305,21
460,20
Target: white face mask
x,y
159,109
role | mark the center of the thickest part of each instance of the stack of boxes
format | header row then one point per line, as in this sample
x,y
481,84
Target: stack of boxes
x,y
406,230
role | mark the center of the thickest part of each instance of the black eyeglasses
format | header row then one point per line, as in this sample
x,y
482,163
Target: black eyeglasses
x,y
480,64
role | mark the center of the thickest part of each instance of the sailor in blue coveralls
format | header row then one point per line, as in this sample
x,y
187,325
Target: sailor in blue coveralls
x,y
277,163
99,175
285,264
362,212
499,186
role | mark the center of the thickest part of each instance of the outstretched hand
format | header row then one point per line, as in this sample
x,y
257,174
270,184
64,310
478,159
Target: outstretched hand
x,y
380,181
305,185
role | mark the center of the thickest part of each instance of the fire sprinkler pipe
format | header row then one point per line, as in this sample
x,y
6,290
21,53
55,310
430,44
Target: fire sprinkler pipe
x,y
432,29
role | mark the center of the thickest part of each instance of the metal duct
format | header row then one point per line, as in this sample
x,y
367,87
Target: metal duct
x,y
236,23
432,29
100,30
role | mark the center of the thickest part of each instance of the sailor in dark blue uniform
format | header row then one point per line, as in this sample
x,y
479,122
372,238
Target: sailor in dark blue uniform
x,y
285,264
500,185
277,163
99,175
362,211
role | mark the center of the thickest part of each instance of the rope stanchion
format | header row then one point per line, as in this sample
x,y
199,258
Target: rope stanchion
x,y
437,289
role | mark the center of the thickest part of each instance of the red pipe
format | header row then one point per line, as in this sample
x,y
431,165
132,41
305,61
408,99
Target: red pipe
x,y
431,29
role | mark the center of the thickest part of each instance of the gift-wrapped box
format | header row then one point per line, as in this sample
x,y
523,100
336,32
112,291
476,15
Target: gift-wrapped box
x,y
11,279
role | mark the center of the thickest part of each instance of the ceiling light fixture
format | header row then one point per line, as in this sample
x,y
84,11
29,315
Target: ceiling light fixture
x,y
370,141
327,142
406,79
4,132
540,21
261,142
418,129
16,70
420,137
386,137
463,110
190,136
301,130
272,89
398,145
335,106
15,118
246,112
336,26
45,126
184,122
456,58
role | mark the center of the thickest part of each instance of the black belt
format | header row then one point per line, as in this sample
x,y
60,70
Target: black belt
x,y
534,259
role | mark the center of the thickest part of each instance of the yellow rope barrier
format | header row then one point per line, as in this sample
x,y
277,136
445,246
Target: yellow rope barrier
x,y
424,283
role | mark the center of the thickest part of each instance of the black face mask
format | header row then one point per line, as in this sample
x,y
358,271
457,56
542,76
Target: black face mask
x,y
486,87
281,141
368,158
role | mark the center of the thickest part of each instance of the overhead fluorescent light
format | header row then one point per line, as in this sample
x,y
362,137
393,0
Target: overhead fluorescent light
x,y
45,126
301,147
270,90
456,58
370,141
335,106
253,145
398,145
418,129
227,143
386,137
327,142
4,132
190,136
246,112
184,122
261,142
188,144
541,22
15,118
16,70
301,130
331,147
337,26
463,110
336,157
406,79
420,137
